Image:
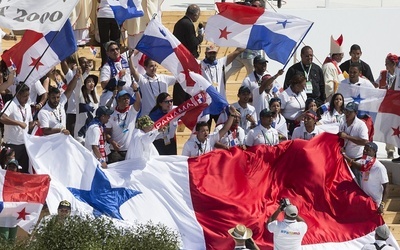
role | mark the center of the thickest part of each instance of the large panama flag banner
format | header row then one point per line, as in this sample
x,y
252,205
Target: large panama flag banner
x,y
203,197
257,29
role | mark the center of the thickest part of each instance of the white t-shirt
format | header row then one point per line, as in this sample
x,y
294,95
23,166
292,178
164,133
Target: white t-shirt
x,y
357,129
249,110
141,145
193,147
334,118
151,88
231,139
53,118
104,10
293,105
92,137
372,180
261,135
288,234
105,97
260,101
280,125
122,125
105,73
251,81
35,89
71,109
215,75
379,243
15,134
301,133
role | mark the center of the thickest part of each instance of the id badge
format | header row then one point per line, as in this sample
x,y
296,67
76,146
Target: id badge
x,y
167,141
309,87
366,176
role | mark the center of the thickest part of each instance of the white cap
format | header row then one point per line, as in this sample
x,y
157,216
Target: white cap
x,y
336,45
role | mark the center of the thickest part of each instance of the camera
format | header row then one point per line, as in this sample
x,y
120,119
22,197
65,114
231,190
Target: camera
x,y
284,202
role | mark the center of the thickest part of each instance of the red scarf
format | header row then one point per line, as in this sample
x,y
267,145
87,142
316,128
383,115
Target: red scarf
x,y
102,144
366,165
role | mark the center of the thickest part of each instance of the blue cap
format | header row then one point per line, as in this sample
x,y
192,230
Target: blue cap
x,y
124,92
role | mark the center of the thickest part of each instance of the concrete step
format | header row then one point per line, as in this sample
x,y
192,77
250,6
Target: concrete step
x,y
395,229
393,190
392,204
391,217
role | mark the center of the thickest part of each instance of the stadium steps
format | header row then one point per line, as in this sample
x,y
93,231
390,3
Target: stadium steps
x,y
392,209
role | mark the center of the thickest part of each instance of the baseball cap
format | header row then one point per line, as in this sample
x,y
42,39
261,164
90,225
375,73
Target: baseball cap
x,y
64,204
372,145
352,106
266,113
103,110
244,89
383,231
291,211
259,59
211,48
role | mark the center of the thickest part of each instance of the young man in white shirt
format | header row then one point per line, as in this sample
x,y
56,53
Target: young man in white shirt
x,y
95,140
248,115
263,133
204,142
382,233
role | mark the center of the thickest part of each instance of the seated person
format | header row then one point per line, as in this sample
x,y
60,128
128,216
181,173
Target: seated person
x,y
309,130
263,133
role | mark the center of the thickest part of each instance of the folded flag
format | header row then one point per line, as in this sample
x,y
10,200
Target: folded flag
x,y
125,9
203,197
162,46
37,53
93,50
22,198
256,28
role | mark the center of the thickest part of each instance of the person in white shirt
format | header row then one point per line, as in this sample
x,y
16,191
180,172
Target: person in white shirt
x,y
151,85
204,142
96,139
263,94
17,119
141,146
382,233
263,134
52,117
234,137
335,113
288,233
293,100
354,132
279,122
253,80
120,127
309,130
354,79
248,115
374,179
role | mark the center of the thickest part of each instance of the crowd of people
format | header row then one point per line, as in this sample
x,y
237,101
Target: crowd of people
x,y
119,124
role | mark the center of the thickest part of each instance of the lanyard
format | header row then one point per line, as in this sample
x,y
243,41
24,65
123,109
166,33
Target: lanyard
x,y
151,87
200,150
123,119
266,138
257,78
22,113
211,75
59,116
307,74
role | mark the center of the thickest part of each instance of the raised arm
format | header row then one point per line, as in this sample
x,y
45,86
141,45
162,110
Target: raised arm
x,y
229,122
233,55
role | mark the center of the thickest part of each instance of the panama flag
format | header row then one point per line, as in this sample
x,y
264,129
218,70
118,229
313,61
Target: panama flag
x,y
256,28
162,46
203,197
125,9
382,105
22,198
37,53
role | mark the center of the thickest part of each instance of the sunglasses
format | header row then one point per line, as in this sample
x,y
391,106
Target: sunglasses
x,y
168,101
114,49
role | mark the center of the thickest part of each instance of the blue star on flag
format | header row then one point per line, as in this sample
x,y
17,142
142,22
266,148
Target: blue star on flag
x,y
102,197
283,23
357,98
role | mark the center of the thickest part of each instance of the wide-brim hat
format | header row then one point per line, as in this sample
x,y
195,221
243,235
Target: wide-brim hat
x,y
240,232
94,77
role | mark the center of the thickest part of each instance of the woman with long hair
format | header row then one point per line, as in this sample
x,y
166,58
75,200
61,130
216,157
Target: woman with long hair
x,y
335,113
165,142
279,122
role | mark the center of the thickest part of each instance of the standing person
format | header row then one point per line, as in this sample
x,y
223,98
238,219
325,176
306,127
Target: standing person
x,y
293,100
279,122
52,117
374,179
96,139
151,84
354,132
185,32
355,54
248,115
354,79
204,142
288,233
17,120
108,28
86,105
253,80
263,134
332,73
315,86
382,233
165,142
121,124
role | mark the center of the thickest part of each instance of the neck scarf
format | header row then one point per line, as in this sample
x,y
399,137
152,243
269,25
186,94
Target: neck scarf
x,y
113,69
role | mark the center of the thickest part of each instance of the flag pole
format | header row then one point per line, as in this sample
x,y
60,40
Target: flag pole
x,y
298,44
34,66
